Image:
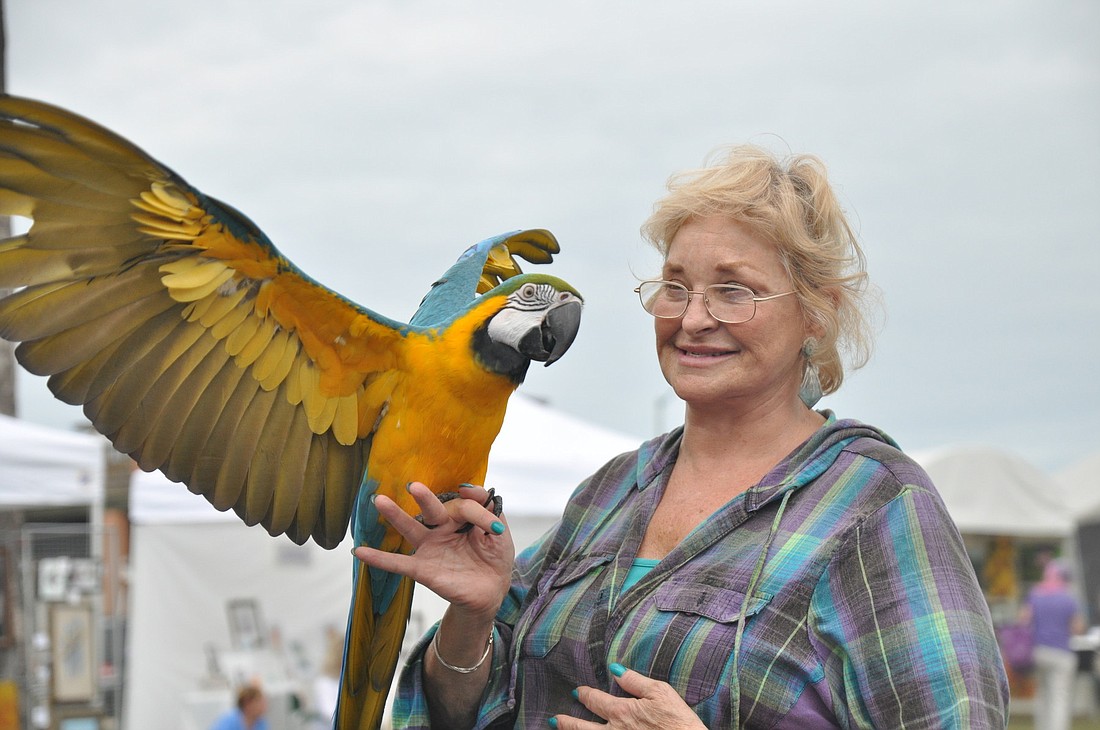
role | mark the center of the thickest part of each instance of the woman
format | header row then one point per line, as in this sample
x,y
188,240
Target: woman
x,y
764,565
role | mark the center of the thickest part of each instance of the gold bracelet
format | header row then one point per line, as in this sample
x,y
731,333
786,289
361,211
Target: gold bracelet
x,y
452,667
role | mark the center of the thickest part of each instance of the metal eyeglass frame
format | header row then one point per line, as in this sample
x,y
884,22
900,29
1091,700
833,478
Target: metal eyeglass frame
x,y
706,302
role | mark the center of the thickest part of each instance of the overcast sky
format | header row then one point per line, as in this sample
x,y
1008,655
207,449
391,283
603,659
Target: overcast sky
x,y
374,141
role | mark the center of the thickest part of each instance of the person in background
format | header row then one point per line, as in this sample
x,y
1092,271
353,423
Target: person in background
x,y
1054,615
765,564
249,714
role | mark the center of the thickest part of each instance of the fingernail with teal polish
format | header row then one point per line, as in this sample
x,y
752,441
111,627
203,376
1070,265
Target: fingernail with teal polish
x,y
553,722
617,669
408,486
497,528
576,695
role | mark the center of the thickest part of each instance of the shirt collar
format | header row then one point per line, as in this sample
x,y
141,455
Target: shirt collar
x,y
806,463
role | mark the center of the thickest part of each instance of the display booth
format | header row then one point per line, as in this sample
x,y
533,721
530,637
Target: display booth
x,y
58,624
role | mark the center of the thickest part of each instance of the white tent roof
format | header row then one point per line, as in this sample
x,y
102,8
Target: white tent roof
x,y
990,492
538,459
1080,485
41,466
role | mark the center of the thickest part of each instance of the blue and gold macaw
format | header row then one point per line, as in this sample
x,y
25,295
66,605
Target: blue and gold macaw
x,y
200,350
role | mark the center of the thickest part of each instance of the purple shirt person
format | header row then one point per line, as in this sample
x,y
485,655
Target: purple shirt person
x,y
1055,616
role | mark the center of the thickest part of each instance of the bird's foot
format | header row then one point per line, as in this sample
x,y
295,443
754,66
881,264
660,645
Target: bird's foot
x,y
492,502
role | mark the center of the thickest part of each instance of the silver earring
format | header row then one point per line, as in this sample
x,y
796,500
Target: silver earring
x,y
810,392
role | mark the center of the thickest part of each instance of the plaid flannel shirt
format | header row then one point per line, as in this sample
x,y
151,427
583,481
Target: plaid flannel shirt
x,y
862,606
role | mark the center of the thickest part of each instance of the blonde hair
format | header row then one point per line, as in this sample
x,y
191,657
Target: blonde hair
x,y
789,202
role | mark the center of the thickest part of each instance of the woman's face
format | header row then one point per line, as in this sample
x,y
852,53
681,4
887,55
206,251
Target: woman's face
x,y
751,364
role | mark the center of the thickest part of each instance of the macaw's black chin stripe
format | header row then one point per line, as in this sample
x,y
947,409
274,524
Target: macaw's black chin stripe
x,y
536,343
499,358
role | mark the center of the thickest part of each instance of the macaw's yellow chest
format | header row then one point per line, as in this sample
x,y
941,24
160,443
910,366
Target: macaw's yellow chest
x,y
438,435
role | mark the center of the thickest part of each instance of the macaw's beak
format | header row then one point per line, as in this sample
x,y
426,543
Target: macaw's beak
x,y
557,332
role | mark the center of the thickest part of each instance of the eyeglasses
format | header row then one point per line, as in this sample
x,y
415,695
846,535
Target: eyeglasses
x,y
729,303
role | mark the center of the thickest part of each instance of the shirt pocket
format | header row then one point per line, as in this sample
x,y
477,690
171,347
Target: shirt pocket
x,y
567,597
698,624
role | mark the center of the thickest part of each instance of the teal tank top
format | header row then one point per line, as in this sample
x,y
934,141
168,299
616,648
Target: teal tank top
x,y
638,570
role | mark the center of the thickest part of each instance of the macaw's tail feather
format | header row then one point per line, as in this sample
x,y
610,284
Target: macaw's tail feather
x,y
370,655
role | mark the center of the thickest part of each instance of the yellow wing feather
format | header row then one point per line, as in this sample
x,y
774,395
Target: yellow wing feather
x,y
284,351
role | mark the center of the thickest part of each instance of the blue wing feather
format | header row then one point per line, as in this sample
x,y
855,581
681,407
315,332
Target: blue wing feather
x,y
453,292
479,269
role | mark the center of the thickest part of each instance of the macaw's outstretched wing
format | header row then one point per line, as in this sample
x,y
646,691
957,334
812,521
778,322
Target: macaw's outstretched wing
x,y
191,342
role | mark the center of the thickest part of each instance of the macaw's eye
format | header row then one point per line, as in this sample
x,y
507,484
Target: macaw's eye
x,y
528,291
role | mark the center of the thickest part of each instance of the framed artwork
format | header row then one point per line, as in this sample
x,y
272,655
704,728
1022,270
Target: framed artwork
x,y
72,649
246,630
7,598
53,578
85,575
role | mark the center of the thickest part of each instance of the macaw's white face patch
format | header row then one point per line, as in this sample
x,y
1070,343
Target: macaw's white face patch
x,y
510,325
524,311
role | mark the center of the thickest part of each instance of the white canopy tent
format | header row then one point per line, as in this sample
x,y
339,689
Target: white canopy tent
x,y
188,560
46,467
991,492
542,454
1079,485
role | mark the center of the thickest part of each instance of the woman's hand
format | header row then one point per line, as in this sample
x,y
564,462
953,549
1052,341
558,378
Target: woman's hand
x,y
653,705
470,569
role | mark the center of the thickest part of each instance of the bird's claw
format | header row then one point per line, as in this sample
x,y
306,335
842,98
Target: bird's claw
x,y
497,507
